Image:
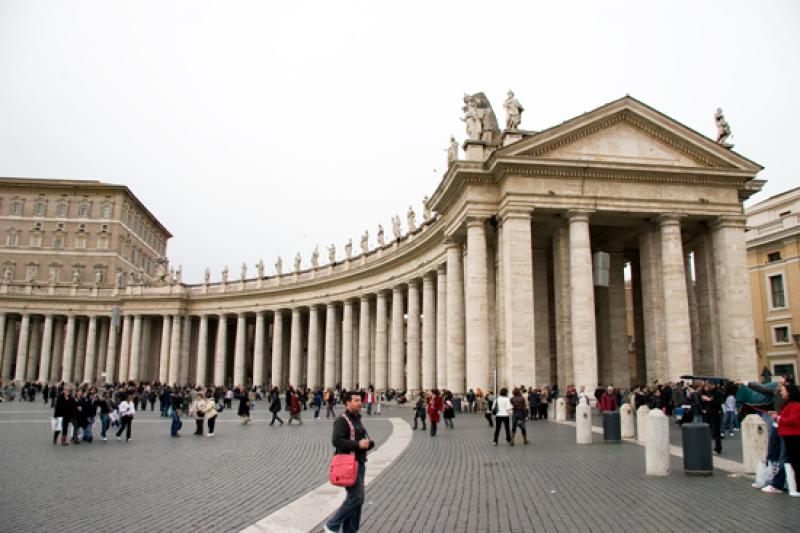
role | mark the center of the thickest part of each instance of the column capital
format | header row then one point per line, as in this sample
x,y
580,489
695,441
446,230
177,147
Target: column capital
x,y
579,215
364,298
428,277
670,219
398,288
515,212
729,221
452,242
474,221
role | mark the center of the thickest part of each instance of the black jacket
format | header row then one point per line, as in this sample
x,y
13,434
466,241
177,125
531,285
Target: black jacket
x,y
65,407
341,436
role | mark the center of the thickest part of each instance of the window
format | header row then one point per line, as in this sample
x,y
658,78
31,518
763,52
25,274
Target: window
x,y
60,226
81,227
58,243
37,226
39,209
55,272
83,210
774,256
783,369
16,208
31,271
776,291
62,210
785,213
781,334
36,241
106,211
80,241
13,238
104,227
102,242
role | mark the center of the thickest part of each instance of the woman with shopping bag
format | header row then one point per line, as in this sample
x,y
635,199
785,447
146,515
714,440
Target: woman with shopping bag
x,y
62,415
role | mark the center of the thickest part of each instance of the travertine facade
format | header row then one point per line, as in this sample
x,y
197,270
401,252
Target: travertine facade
x,y
498,287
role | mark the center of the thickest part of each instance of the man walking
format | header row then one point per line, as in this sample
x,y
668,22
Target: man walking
x,y
349,436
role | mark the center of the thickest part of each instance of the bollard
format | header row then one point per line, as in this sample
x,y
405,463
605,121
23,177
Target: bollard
x,y
641,416
551,410
755,441
611,427
697,459
657,448
583,423
561,410
627,422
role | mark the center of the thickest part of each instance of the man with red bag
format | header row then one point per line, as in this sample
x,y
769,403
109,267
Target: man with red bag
x,y
349,436
435,406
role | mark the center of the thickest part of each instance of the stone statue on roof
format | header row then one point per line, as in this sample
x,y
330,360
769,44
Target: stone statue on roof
x,y
118,278
243,272
297,261
513,111
207,276
480,119
279,266
723,128
426,209
471,118
411,219
179,274
396,230
381,238
315,257
332,253
260,268
365,242
452,151
225,273
348,248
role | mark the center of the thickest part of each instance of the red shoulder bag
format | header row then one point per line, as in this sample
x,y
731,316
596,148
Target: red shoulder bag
x,y
344,466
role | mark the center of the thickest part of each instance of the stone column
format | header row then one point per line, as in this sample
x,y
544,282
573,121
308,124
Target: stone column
x,y
733,294
563,316
455,318
22,347
694,323
584,338
91,351
163,360
413,349
32,368
676,311
638,321
47,349
331,324
277,350
313,379
347,345
9,330
363,343
136,348
221,351
397,357
58,349
441,327
618,322
381,354
238,353
69,350
144,350
80,349
520,329
652,306
541,314
258,349
125,348
428,331
2,338
175,350
296,349
186,340
111,357
477,312
202,352
709,356
102,350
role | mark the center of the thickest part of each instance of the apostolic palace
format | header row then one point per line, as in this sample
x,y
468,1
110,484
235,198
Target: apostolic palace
x,y
515,274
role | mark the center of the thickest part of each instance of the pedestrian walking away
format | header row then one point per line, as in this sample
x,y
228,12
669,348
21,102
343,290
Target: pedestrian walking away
x,y
519,415
274,405
502,412
127,409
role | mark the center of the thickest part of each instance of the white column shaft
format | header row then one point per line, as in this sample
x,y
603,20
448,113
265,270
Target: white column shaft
x,y
163,360
313,378
69,350
441,327
397,357
413,364
259,355
347,345
186,340
91,351
363,343
584,341
455,319
175,349
331,323
296,350
428,331
277,350
22,347
238,352
202,352
136,348
125,349
381,354
221,351
47,349
676,310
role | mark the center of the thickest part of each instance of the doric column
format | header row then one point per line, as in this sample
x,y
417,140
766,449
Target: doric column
x,y
136,348
238,353
312,377
144,350
652,305
733,293
125,349
47,349
584,340
429,331
163,360
259,355
363,343
381,353
618,322
477,312
202,352
694,323
441,327
676,311
22,347
455,318
31,367
9,331
186,340
221,351
277,350
80,349
413,348
296,350
91,351
69,350
347,344
58,349
331,323
113,349
397,357
709,356
563,317
175,349
102,350
541,313
520,330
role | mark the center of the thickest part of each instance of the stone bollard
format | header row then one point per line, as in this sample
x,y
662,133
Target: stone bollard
x,y
755,440
551,410
641,416
583,423
561,410
656,453
627,421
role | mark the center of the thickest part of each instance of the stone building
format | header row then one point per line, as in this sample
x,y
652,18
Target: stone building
x,y
773,260
518,278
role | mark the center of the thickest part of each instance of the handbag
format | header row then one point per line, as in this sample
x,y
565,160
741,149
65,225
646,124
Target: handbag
x,y
343,471
55,423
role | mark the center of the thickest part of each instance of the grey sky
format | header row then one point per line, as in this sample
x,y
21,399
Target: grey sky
x,y
258,129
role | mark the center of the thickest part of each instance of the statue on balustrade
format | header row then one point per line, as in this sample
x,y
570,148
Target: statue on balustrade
x,y
315,257
365,242
381,238
396,227
279,266
297,261
260,268
348,248
225,273
513,111
332,253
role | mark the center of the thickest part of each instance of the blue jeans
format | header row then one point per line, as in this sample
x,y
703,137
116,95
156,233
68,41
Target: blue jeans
x,y
87,431
729,421
104,423
348,516
176,424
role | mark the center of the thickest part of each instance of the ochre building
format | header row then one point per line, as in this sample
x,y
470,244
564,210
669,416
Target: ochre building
x,y
518,278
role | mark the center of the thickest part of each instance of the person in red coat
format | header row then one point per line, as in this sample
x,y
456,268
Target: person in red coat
x,y
608,401
789,429
435,406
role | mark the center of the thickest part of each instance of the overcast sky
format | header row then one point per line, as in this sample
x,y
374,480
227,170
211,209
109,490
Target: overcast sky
x,y
258,129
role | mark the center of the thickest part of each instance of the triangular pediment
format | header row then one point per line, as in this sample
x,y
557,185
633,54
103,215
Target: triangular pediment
x,y
627,131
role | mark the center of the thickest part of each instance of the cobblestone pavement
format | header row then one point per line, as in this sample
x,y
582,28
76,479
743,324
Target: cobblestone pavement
x,y
455,482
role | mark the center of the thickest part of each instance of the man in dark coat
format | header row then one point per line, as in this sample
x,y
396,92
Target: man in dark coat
x,y
64,409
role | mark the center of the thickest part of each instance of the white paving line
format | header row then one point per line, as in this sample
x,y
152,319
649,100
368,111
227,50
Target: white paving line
x,y
306,512
718,462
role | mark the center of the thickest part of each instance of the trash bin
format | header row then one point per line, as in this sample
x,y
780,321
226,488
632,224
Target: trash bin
x,y
457,404
697,458
612,431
